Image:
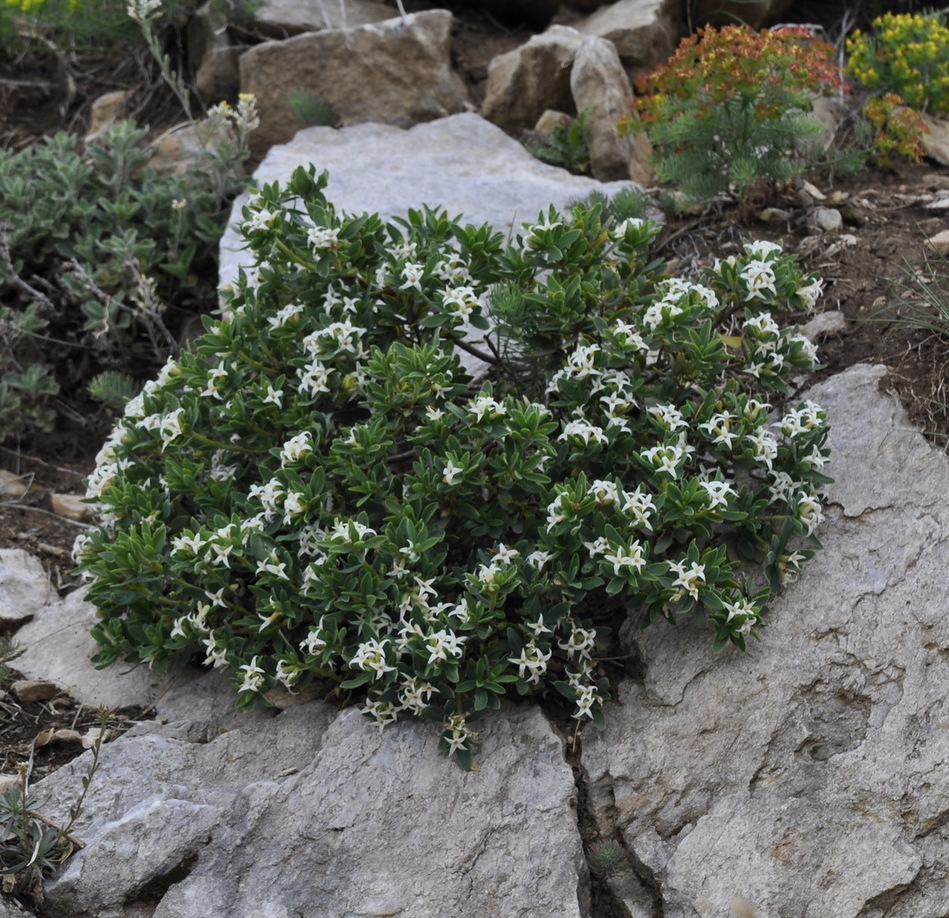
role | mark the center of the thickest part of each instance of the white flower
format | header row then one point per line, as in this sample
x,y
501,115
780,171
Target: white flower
x,y
598,546
171,426
581,641
262,219
641,505
254,677
412,275
284,315
274,396
761,248
460,301
505,555
537,559
718,493
764,446
763,324
759,279
586,698
664,458
668,416
370,656
811,293
533,660
314,379
443,644
717,428
626,557
604,492
635,223
323,237
270,565
296,447
581,363
449,472
689,579
485,405
314,642
383,712
809,512
741,609
581,429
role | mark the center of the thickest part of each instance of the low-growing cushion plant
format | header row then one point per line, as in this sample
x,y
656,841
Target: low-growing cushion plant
x,y
318,496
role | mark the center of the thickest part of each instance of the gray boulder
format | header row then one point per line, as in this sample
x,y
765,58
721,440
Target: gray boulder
x,y
395,72
799,779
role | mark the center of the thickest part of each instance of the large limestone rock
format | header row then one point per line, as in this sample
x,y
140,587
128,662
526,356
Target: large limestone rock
x,y
804,777
645,32
395,72
314,812
462,163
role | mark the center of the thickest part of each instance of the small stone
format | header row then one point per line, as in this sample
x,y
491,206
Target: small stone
x,y
70,506
105,111
27,690
6,782
826,220
549,121
774,215
939,242
63,737
813,191
824,323
12,485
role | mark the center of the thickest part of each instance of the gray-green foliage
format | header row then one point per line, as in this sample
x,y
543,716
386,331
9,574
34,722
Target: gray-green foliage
x,y
101,258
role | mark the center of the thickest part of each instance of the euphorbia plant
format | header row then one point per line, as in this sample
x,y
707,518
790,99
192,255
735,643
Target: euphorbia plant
x,y
731,109
319,496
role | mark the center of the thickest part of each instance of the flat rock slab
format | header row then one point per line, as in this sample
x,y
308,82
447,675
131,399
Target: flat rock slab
x,y
808,777
314,812
57,646
461,163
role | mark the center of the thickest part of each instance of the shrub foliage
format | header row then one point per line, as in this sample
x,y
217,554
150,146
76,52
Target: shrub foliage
x,y
319,496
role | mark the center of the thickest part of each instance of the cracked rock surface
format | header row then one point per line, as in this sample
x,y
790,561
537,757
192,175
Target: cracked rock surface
x,y
807,777
316,806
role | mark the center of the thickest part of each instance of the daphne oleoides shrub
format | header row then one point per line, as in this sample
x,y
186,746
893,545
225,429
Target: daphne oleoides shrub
x,y
319,497
731,110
